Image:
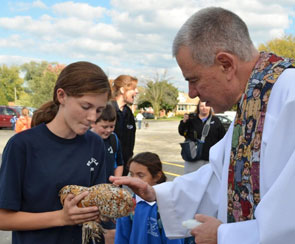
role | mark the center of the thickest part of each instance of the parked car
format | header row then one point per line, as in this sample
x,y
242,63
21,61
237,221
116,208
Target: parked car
x,y
6,113
226,121
229,114
147,115
17,108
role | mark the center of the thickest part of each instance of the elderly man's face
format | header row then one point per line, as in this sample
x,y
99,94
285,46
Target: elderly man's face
x,y
209,83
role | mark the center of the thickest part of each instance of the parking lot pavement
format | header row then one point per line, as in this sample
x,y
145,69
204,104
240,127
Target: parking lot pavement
x,y
160,137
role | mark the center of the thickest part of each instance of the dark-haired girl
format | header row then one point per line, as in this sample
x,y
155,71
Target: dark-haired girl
x,y
144,226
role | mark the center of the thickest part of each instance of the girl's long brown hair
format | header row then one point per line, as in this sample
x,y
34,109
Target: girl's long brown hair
x,y
76,79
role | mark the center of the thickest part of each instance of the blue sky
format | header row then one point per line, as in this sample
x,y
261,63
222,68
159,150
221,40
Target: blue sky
x,y
122,36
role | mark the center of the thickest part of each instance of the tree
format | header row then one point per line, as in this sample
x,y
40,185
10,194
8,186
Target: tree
x,y
11,85
170,97
282,47
160,94
41,78
153,94
3,99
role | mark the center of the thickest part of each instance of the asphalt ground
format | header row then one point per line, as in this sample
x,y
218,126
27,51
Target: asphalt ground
x,y
159,137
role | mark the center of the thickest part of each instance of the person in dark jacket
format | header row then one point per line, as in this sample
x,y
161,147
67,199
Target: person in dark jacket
x,y
191,128
124,89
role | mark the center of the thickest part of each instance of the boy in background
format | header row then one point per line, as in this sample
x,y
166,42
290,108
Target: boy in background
x,y
104,127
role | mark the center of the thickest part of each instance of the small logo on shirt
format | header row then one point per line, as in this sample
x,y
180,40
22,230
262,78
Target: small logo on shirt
x,y
152,228
130,127
110,150
92,161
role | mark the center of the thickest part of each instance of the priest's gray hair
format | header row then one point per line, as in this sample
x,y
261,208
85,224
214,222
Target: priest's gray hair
x,y
212,30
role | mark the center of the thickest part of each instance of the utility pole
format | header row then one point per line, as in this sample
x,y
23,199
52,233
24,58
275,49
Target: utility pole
x,y
15,95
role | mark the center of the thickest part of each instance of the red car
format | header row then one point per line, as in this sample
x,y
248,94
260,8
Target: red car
x,y
6,113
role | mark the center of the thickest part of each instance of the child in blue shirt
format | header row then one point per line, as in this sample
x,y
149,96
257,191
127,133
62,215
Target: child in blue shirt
x,y
144,226
13,122
104,127
59,150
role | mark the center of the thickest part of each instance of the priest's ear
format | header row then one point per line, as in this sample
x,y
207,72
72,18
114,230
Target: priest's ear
x,y
227,63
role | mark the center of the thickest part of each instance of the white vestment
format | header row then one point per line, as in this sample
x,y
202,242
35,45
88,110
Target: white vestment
x,y
205,191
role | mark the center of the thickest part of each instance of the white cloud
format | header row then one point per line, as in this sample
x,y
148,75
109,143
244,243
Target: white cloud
x,y
16,60
132,37
78,10
25,6
39,4
157,20
264,20
14,41
49,28
27,25
135,6
90,46
104,31
286,3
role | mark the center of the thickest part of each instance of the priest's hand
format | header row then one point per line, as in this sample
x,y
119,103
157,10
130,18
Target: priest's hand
x,y
206,233
138,186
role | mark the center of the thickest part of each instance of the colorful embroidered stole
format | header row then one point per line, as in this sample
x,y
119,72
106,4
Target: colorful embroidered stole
x,y
243,175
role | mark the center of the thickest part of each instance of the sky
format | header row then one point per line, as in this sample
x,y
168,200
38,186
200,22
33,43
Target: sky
x,y
122,36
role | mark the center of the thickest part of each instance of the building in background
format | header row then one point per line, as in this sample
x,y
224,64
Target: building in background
x,y
186,104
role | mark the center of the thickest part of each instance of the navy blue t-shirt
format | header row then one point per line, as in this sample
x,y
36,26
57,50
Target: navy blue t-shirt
x,y
36,164
113,156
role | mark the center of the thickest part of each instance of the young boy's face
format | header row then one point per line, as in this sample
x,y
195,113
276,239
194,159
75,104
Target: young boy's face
x,y
104,128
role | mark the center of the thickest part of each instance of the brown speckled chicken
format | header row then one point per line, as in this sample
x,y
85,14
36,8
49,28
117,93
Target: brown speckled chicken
x,y
112,202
